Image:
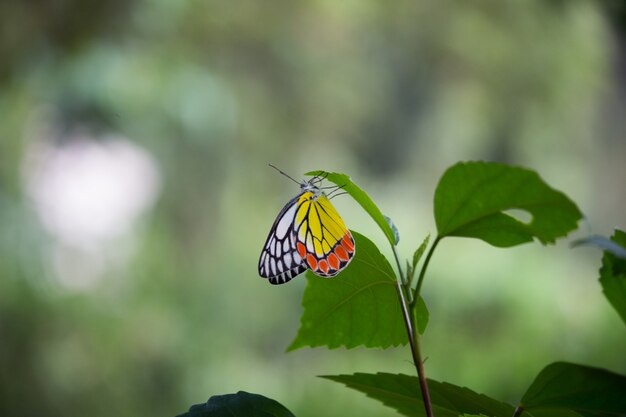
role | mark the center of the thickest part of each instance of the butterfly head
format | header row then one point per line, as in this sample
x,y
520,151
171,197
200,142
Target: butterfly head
x,y
312,186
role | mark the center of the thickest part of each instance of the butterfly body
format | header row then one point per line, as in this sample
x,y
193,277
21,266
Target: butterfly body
x,y
307,234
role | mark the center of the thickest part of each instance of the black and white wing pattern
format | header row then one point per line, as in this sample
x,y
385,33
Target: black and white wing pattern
x,y
280,260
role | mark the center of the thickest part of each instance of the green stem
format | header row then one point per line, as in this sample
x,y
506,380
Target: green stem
x,y
403,279
420,280
422,376
413,335
518,411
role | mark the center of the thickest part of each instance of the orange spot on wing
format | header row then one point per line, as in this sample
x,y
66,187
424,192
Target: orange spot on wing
x,y
301,250
333,261
323,265
310,259
342,253
347,243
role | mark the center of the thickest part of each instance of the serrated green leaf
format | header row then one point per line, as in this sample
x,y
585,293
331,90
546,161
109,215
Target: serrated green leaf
x,y
613,275
418,255
421,314
241,404
358,307
361,197
402,392
472,197
590,392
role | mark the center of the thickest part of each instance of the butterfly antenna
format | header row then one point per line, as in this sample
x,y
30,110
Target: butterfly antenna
x,y
315,179
336,188
337,195
279,170
319,178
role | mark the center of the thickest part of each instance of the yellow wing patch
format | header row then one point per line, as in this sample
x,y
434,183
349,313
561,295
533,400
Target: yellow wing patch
x,y
324,241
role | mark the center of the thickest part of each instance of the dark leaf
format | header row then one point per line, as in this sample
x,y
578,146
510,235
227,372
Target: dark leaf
x,y
590,392
242,404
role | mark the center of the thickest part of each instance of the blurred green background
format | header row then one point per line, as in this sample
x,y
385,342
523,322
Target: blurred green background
x,y
135,194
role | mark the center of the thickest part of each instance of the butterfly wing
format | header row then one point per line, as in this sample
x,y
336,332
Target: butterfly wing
x,y
280,260
322,239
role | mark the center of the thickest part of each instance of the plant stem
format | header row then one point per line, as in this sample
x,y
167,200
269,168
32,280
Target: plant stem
x,y
518,411
422,377
411,325
403,279
415,351
420,280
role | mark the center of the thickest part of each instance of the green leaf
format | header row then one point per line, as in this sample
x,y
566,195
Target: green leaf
x,y
402,392
590,392
358,307
472,197
344,181
418,255
613,275
421,314
242,404
409,271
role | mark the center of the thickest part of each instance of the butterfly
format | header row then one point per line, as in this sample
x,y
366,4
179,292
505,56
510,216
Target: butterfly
x,y
307,234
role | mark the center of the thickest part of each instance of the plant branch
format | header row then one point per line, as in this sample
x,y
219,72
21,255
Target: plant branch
x,y
403,279
413,335
411,328
420,280
422,376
